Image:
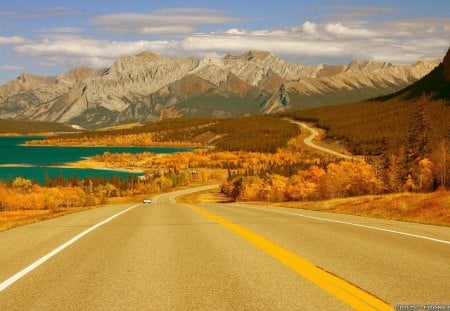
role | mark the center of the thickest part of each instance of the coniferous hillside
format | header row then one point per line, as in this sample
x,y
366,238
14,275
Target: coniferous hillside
x,y
432,84
390,122
254,133
30,127
435,84
372,126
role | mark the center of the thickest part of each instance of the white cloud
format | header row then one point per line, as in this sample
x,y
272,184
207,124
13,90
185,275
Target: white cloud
x,y
310,28
403,41
342,31
419,27
165,21
234,31
277,45
14,40
62,30
11,68
87,51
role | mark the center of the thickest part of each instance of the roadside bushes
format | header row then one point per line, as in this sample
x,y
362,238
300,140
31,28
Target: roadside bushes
x,y
24,194
343,179
36,197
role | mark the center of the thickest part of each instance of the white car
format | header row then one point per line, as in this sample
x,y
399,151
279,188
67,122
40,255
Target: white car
x,y
147,201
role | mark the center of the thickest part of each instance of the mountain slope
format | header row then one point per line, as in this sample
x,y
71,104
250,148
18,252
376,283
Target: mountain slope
x,y
372,126
436,84
8,126
147,87
353,85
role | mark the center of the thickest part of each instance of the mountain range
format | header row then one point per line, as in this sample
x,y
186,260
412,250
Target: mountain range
x,y
147,88
388,123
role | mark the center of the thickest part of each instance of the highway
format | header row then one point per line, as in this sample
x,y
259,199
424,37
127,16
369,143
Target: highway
x,y
309,142
210,256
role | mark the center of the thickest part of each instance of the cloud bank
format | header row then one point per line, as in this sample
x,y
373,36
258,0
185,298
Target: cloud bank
x,y
400,41
173,21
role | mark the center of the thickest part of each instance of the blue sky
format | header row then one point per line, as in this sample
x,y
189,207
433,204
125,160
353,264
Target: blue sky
x,y
48,37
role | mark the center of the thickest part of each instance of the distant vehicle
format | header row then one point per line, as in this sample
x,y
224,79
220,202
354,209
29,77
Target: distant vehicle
x,y
147,201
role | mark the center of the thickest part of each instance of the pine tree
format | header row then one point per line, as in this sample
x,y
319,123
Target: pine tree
x,y
419,134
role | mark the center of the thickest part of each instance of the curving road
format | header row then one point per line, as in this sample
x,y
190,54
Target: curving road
x,y
314,133
171,256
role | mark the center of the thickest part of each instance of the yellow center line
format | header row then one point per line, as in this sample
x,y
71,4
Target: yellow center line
x,y
341,289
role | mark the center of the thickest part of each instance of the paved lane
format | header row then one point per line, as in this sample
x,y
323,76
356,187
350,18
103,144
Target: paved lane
x,y
160,256
309,141
374,254
168,256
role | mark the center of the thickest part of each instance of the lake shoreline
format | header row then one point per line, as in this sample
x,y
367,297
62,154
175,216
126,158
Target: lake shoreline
x,y
187,146
91,164
43,134
82,164
50,162
116,146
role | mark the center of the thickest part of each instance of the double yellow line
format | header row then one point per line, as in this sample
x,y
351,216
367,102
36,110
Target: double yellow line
x,y
341,289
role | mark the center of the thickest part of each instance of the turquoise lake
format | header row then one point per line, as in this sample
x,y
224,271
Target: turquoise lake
x,y
38,160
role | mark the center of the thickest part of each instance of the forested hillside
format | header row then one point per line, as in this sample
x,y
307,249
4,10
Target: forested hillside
x,y
388,123
370,127
29,127
254,133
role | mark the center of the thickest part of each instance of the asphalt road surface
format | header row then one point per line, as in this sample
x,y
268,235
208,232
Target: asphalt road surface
x,y
170,256
314,133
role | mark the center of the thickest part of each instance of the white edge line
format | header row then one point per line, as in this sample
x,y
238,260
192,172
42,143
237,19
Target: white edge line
x,y
43,259
351,224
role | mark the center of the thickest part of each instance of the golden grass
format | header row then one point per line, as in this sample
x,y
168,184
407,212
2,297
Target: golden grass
x,y
11,219
426,208
121,126
206,196
89,163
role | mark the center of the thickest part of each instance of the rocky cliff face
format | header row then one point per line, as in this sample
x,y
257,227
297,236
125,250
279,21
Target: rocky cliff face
x,y
148,87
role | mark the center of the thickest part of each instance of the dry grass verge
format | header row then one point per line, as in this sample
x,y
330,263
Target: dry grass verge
x,y
207,196
426,208
11,219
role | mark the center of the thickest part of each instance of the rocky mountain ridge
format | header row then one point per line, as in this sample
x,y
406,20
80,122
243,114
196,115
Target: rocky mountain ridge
x,y
147,87
435,84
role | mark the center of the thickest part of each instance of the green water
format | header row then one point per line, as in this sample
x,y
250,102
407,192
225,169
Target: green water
x,y
38,161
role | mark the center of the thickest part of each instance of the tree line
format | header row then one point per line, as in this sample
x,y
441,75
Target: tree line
x,y
253,133
60,192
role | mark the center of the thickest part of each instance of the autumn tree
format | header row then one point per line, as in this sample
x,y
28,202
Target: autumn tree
x,y
419,142
164,183
22,184
426,169
350,178
393,174
304,185
441,165
250,189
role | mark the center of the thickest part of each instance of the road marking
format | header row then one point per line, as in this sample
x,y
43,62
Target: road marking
x,y
351,224
341,289
43,259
